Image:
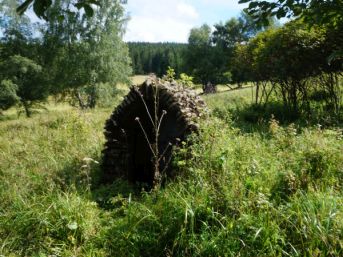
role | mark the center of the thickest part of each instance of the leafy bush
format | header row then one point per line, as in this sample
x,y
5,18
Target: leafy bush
x,y
186,80
8,95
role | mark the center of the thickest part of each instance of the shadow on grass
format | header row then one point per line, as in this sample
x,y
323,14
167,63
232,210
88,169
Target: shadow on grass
x,y
7,117
256,118
86,176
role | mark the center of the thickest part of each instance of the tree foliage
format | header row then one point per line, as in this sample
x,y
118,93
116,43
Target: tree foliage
x,y
76,54
292,59
318,12
41,7
27,78
21,74
210,53
200,55
237,30
324,13
8,94
86,51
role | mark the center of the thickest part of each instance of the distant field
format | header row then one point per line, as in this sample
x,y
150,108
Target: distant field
x,y
139,79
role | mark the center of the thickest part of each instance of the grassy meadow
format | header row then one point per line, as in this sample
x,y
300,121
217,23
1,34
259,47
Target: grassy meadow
x,y
249,184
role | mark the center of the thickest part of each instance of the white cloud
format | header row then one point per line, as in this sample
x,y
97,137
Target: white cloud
x,y
143,28
171,20
33,17
156,21
187,10
232,4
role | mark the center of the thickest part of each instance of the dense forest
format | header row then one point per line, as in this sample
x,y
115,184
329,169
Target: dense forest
x,y
157,57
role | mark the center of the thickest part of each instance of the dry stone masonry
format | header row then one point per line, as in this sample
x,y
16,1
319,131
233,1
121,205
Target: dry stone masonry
x,y
127,154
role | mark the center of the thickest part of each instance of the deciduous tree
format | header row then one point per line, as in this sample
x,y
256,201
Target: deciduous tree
x,y
27,78
86,51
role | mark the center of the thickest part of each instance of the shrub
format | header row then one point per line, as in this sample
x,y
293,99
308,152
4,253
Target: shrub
x,y
8,95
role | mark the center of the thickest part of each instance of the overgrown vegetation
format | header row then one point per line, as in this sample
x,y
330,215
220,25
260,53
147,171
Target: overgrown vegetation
x,y
262,177
263,189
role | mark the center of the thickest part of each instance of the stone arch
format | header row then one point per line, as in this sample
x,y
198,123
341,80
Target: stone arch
x,y
127,154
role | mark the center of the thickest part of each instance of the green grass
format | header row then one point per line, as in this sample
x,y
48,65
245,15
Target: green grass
x,y
138,79
260,188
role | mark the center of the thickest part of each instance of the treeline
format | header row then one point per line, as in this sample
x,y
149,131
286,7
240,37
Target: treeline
x,y
157,57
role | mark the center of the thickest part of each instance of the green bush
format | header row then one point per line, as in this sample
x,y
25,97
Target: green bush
x,y
8,95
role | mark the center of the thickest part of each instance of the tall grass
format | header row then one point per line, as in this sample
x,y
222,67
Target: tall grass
x,y
242,189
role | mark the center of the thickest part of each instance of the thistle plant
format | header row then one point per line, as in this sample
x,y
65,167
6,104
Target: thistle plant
x,y
154,144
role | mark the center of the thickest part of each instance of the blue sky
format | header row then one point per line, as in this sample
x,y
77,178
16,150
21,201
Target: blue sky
x,y
171,20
